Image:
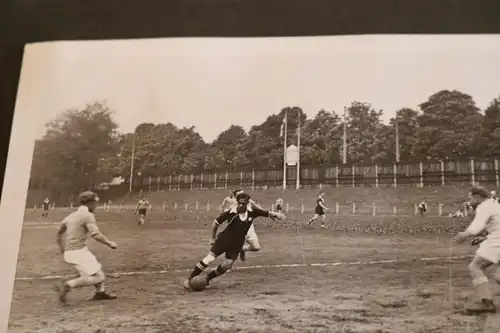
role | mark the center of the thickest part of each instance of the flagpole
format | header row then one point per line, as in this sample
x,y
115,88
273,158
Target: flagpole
x,y
132,159
297,185
285,130
344,149
397,141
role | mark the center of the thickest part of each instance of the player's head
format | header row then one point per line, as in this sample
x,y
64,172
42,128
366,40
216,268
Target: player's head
x,y
242,200
89,199
477,195
493,194
143,197
321,194
236,192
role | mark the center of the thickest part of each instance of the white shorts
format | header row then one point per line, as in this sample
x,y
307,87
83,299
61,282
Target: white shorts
x,y
83,260
251,234
488,251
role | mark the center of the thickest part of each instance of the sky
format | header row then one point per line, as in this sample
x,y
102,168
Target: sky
x,y
213,83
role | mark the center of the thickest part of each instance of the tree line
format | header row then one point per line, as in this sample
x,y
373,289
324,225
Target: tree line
x,y
83,147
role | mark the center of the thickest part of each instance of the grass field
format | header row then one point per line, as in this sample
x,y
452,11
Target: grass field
x,y
363,274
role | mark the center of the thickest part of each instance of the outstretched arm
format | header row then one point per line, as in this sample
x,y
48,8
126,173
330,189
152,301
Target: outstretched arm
x,y
96,234
269,214
476,227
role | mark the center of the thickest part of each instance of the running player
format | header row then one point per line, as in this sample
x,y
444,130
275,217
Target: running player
x,y
319,211
487,219
46,206
232,238
76,227
422,208
228,201
279,204
142,208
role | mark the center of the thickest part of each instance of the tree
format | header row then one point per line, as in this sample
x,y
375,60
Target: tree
x,y
69,155
364,134
264,145
322,139
229,148
406,123
449,127
165,149
490,136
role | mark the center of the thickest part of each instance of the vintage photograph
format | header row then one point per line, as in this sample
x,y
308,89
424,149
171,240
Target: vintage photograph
x,y
329,184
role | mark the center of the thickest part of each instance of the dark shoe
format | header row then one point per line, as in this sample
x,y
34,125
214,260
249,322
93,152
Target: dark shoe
x,y
486,306
103,296
243,256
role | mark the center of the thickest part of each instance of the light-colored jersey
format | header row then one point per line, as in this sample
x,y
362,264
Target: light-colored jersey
x,y
279,202
228,203
79,225
487,219
142,204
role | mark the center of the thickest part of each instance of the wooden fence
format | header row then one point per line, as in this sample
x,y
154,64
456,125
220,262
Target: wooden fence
x,y
352,209
434,173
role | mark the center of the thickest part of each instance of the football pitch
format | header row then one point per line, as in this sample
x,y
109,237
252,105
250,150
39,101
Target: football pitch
x,y
363,274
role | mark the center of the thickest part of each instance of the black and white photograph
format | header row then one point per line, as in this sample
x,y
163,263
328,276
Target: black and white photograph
x,y
301,184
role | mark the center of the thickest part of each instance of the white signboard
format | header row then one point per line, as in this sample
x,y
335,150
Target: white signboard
x,y
292,155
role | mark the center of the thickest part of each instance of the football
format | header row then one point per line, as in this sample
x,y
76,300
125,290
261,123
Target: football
x,y
198,283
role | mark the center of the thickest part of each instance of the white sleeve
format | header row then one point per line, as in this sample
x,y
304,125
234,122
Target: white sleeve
x,y
479,223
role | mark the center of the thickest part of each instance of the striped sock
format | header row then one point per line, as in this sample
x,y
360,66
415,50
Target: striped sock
x,y
216,272
200,267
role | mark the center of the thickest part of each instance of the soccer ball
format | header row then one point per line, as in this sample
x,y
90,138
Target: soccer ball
x,y
198,283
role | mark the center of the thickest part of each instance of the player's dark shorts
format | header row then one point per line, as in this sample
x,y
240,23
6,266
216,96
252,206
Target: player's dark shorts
x,y
45,207
422,209
231,247
319,211
279,208
143,211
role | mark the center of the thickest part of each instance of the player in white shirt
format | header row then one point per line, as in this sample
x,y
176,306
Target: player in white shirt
x,y
487,219
228,202
422,208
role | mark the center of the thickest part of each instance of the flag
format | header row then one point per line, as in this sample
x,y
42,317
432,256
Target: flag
x,y
282,130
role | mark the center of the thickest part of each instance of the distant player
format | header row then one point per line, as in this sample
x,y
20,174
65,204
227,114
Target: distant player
x,y
142,208
279,204
319,211
422,208
46,207
230,241
228,201
487,219
71,239
460,212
